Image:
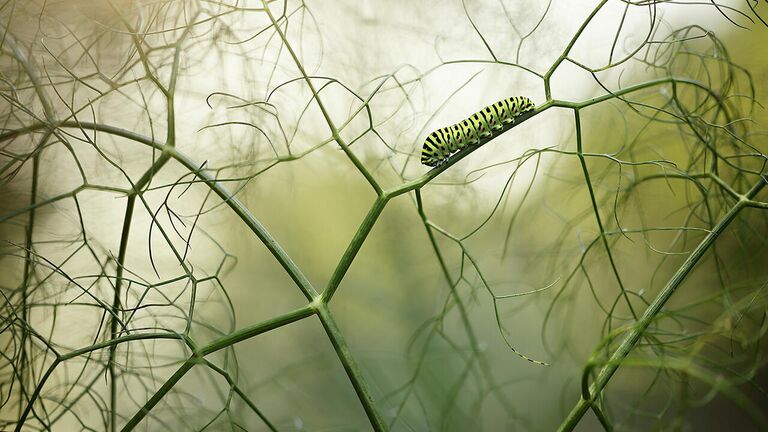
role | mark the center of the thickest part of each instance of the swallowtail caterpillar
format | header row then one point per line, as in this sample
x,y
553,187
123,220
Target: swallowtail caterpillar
x,y
442,143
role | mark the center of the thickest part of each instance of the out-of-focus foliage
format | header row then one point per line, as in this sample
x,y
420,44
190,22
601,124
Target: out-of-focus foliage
x,y
213,216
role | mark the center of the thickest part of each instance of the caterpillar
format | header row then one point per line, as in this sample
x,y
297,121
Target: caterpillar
x,y
442,143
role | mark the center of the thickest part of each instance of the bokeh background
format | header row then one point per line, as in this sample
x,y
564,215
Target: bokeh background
x,y
432,352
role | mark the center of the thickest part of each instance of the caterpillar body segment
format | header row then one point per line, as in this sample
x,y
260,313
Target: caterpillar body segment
x,y
489,121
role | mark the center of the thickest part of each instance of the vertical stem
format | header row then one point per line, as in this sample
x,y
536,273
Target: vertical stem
x,y
113,331
27,275
351,368
463,314
143,181
116,306
596,211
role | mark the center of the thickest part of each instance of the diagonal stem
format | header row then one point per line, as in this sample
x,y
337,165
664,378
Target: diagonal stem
x,y
351,368
634,335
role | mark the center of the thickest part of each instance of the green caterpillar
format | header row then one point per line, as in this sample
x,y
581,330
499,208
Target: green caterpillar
x,y
442,143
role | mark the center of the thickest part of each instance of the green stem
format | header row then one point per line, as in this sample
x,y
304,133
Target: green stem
x,y
214,346
35,394
564,55
463,314
28,256
634,335
166,387
331,125
351,368
229,199
354,247
257,329
116,307
596,211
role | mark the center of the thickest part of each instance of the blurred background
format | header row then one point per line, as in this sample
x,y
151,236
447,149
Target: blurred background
x,y
512,255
